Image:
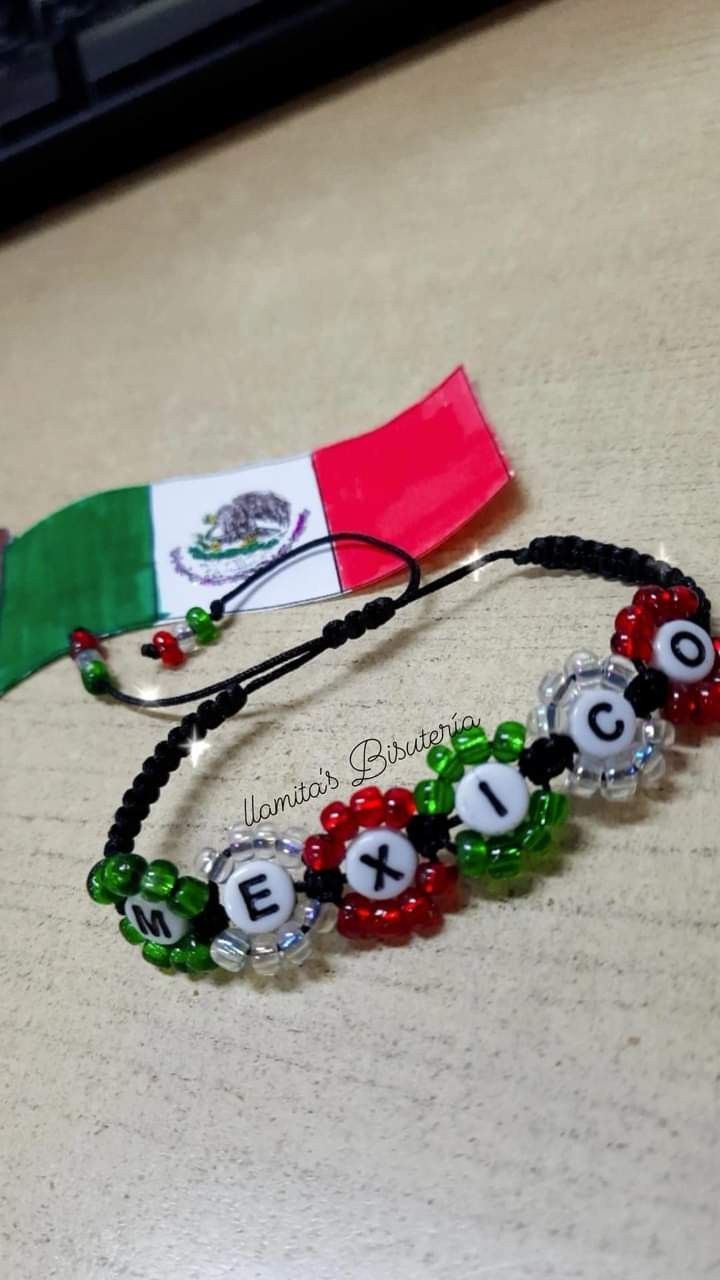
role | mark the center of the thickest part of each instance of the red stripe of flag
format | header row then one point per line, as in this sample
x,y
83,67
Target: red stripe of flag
x,y
413,481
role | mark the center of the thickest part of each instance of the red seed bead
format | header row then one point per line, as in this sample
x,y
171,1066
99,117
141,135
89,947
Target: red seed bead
x,y
680,704
399,806
389,921
657,600
707,702
423,911
441,882
634,621
367,807
323,852
686,602
339,821
636,646
171,655
354,917
81,639
716,647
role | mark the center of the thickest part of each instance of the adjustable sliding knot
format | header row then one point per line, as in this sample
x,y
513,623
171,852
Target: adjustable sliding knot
x,y
355,623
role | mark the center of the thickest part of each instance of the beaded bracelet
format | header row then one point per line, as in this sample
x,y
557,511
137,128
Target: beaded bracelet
x,y
388,865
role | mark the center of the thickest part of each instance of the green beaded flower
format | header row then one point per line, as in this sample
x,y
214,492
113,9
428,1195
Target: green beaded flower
x,y
507,828
158,906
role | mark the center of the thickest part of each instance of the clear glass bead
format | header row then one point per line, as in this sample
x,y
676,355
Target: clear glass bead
x,y
230,950
290,845
266,838
618,671
320,916
240,841
584,780
619,784
537,722
265,958
213,865
659,732
584,666
295,946
552,687
185,636
654,768
86,656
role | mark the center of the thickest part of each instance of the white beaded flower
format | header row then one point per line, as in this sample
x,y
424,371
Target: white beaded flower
x,y
267,924
616,748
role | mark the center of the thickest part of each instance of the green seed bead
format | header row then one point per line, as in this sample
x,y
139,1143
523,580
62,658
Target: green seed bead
x,y
505,861
444,762
155,953
95,884
198,958
202,624
129,932
471,853
122,874
548,808
509,741
471,745
189,896
95,676
178,957
159,880
536,839
434,795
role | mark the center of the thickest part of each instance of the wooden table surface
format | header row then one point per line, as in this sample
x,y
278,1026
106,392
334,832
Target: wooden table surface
x,y
534,1092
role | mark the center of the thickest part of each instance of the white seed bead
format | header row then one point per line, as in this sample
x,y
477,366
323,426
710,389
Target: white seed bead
x,y
583,781
185,636
213,865
683,651
659,732
265,959
654,767
230,950
320,916
265,838
538,723
492,798
290,845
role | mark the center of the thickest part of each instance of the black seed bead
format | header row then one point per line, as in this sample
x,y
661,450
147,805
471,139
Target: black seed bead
x,y
428,833
326,886
547,758
149,651
110,848
123,841
355,624
144,786
647,692
209,716
217,610
212,919
120,907
128,822
335,633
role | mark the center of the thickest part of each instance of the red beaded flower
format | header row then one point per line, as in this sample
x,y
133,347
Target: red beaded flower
x,y
651,630
393,893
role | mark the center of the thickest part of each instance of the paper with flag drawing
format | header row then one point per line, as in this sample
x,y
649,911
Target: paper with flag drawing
x,y
126,557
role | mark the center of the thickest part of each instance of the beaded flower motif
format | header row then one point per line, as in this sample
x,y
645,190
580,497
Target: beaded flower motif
x,y
616,746
393,891
167,914
507,827
266,923
660,628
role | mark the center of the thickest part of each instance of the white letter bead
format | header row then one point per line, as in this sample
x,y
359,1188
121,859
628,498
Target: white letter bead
x,y
380,863
492,799
154,920
683,651
259,896
602,723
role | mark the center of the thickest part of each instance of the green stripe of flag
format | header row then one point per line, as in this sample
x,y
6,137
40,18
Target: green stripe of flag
x,y
88,565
